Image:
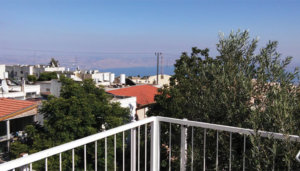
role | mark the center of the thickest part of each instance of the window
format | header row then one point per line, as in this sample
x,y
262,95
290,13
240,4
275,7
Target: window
x,y
31,95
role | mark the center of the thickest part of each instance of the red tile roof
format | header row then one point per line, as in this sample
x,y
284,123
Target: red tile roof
x,y
13,107
143,93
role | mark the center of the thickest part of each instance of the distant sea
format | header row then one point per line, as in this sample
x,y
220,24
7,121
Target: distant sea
x,y
142,71
147,71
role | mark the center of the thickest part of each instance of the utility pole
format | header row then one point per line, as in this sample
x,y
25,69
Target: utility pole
x,y
161,67
157,68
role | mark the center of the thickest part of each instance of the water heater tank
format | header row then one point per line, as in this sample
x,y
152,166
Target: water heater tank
x,y
106,76
112,77
6,75
101,77
122,79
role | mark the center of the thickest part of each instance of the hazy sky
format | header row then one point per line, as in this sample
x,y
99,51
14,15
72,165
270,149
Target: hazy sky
x,y
126,33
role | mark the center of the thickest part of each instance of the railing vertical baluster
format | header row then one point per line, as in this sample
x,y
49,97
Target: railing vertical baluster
x,y
158,145
139,129
230,147
115,152
96,156
152,153
123,151
133,149
146,147
155,145
217,152
46,164
73,160
170,147
60,165
192,157
275,152
84,147
274,157
244,153
30,167
204,150
183,147
105,153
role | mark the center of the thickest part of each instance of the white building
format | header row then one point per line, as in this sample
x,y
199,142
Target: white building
x,y
52,87
45,86
74,75
3,74
18,72
21,92
100,78
9,89
55,87
162,80
127,102
54,69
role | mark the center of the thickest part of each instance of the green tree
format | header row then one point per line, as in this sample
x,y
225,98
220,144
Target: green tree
x,y
47,76
242,87
17,149
81,110
32,78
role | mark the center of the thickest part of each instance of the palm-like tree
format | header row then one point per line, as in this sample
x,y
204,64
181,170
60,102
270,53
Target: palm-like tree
x,y
53,63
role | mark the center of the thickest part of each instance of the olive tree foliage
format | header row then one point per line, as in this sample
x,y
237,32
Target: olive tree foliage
x,y
81,110
244,87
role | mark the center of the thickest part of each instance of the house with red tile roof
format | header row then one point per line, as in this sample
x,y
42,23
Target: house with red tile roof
x,y
15,115
144,97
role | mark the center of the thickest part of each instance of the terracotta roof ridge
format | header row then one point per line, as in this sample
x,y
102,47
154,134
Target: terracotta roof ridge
x,y
132,87
25,109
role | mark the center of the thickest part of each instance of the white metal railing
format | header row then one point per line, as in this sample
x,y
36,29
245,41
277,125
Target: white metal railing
x,y
155,145
298,157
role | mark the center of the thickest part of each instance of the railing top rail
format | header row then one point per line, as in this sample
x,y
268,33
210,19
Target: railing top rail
x,y
73,144
232,129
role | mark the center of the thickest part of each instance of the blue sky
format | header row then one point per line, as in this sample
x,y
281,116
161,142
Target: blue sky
x,y
126,33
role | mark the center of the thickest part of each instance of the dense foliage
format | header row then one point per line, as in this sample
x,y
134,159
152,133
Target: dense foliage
x,y
242,87
31,78
81,110
47,76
